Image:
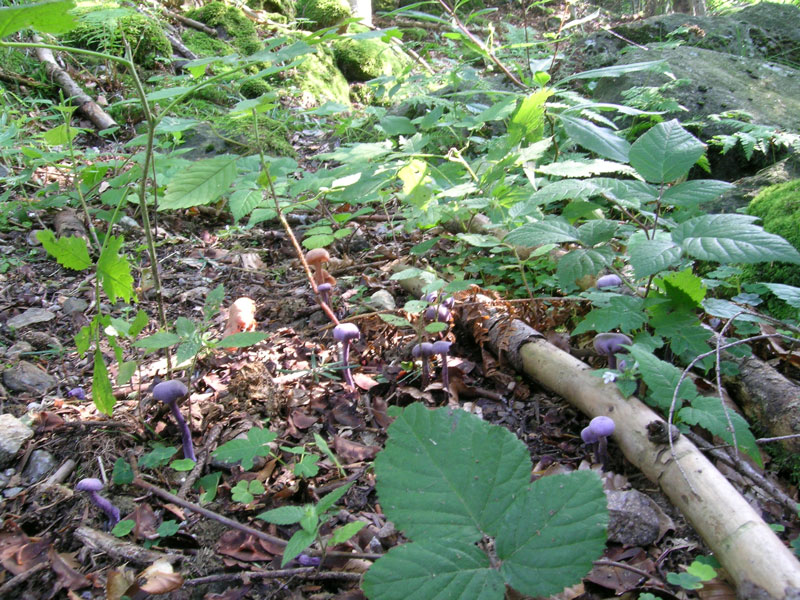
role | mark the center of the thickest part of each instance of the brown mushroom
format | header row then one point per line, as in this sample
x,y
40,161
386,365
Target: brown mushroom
x,y
316,258
241,317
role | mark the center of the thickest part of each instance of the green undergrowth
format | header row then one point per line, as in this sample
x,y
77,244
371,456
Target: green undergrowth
x,y
778,207
272,135
203,44
320,14
241,29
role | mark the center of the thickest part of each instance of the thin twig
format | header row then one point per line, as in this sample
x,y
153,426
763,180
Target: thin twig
x,y
202,460
619,565
302,573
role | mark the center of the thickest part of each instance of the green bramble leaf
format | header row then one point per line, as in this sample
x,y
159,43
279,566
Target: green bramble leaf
x,y
665,152
600,140
649,257
446,475
157,341
201,183
285,515
70,252
709,413
114,271
554,230
102,393
788,293
661,378
256,444
625,313
730,238
576,264
693,193
242,339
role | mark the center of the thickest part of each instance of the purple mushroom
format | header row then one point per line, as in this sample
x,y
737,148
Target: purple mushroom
x,y
344,333
169,392
597,432
443,348
437,312
609,344
423,351
608,281
324,290
92,486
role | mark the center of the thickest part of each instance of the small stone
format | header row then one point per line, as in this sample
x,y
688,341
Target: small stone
x,y
27,377
13,433
18,349
382,300
74,305
128,223
40,463
31,238
29,317
12,492
635,519
41,340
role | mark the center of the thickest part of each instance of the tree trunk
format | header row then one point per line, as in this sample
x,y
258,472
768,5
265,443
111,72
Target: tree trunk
x,y
362,9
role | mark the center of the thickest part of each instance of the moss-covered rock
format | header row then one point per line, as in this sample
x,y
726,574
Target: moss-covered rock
x,y
281,7
362,60
241,30
778,207
319,14
253,88
105,30
318,77
205,45
272,135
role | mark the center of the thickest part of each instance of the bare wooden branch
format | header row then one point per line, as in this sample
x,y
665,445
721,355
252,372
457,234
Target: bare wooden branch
x,y
120,549
77,96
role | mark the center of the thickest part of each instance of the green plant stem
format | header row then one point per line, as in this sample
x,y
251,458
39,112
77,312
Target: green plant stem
x,y
81,197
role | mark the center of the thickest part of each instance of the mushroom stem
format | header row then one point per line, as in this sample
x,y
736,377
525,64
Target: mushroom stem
x,y
442,348
348,376
92,486
186,436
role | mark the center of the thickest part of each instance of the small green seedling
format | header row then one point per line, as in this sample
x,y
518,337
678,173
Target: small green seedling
x,y
311,517
246,491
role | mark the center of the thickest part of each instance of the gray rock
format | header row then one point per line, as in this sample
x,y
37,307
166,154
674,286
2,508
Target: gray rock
x,y
635,519
27,377
42,340
40,463
13,433
12,492
29,317
382,300
17,349
74,305
747,188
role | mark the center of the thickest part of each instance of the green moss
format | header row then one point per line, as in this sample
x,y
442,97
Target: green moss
x,y
236,24
105,30
318,77
272,134
322,13
281,7
415,34
384,5
205,45
778,207
253,88
362,60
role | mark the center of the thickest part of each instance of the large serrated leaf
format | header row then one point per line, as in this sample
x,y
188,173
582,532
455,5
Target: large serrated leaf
x,y
597,231
433,569
625,313
202,183
665,153
695,192
45,17
577,264
730,238
600,140
661,378
256,444
649,257
552,534
788,293
550,231
709,413
447,474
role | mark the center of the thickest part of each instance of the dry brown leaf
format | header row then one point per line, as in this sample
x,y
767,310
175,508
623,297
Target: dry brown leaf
x,y
146,522
159,578
118,582
365,382
64,566
352,452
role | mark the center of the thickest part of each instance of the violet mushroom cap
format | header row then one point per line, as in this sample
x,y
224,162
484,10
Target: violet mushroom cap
x,y
92,486
324,290
608,344
607,281
588,435
344,332
602,426
437,313
169,392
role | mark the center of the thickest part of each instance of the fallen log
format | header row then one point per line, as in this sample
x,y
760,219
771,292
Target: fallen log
x,y
761,566
76,95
